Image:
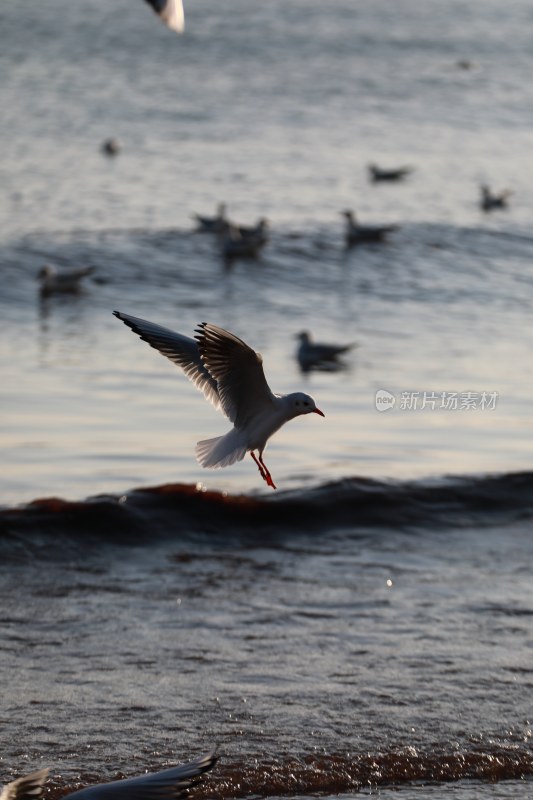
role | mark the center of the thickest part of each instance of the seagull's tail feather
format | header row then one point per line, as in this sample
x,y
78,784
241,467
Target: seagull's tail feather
x,y
222,450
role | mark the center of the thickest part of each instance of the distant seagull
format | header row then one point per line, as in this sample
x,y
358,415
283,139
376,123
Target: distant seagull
x,y
235,245
259,230
377,174
52,280
318,355
465,63
490,201
230,375
111,147
363,234
170,783
170,12
216,224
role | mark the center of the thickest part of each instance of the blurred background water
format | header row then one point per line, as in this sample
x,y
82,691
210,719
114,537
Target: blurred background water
x,y
275,109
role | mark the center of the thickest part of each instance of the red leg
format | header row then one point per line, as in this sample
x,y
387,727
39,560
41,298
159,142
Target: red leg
x,y
259,467
263,471
268,476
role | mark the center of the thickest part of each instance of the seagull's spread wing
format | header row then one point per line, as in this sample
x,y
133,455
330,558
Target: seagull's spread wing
x,y
27,788
182,350
169,784
238,371
171,12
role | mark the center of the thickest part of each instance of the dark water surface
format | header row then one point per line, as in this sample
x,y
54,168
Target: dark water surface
x,y
359,634
369,627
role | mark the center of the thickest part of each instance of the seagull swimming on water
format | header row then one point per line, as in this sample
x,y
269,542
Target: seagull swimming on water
x,y
172,783
230,375
52,280
216,224
355,233
379,174
318,354
170,12
490,200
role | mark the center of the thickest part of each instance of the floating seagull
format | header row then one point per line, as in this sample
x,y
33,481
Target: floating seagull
x,y
317,354
111,147
234,244
53,281
230,375
489,201
170,12
170,783
359,234
217,224
465,63
378,174
259,230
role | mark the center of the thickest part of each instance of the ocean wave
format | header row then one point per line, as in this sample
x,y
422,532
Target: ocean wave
x,y
336,774
353,504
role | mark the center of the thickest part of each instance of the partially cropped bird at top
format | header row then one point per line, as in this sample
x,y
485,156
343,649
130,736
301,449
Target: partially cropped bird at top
x,y
172,783
377,174
170,12
317,355
53,280
489,200
230,375
355,233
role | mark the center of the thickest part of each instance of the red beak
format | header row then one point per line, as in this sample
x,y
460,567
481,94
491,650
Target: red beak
x,y
318,411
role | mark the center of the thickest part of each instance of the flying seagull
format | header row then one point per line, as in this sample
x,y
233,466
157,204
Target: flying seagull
x,y
170,12
230,375
172,783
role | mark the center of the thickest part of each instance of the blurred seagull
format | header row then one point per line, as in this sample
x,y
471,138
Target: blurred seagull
x,y
359,234
170,12
489,201
259,230
51,280
217,224
318,354
111,147
378,174
170,783
230,375
235,244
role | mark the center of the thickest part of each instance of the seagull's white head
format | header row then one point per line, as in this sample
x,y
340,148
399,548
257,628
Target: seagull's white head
x,y
299,403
